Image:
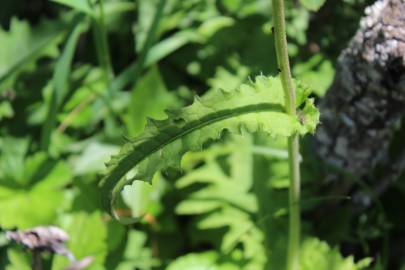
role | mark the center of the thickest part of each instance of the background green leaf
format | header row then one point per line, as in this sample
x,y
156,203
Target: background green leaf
x,y
312,5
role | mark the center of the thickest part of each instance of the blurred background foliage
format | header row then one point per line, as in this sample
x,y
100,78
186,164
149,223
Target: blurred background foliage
x,y
77,78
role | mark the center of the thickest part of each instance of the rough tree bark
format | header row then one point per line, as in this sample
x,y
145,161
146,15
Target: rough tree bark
x,y
364,105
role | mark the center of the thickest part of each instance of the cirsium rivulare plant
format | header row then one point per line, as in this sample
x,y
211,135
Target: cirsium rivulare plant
x,y
267,104
293,140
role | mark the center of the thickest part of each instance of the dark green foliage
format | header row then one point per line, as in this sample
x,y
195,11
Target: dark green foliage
x,y
79,79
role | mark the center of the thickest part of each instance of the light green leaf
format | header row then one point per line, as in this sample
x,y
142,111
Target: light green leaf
x,y
209,27
25,209
87,237
6,111
137,255
19,260
257,106
225,202
196,207
317,71
170,44
92,159
149,99
38,203
138,197
313,5
316,254
209,260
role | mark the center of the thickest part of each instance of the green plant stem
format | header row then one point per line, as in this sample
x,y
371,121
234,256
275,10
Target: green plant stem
x,y
293,141
102,43
103,55
36,263
294,204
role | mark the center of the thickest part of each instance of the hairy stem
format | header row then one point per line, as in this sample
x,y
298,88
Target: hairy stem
x,y
293,141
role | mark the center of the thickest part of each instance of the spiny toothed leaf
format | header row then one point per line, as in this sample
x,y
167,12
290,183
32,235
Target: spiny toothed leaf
x,y
256,106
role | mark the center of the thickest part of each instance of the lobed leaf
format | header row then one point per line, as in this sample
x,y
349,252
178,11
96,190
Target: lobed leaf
x,y
256,106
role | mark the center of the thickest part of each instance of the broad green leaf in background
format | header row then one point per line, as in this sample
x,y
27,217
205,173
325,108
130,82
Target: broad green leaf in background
x,y
317,71
144,199
225,79
22,46
149,98
40,202
18,260
92,159
137,255
12,156
312,5
6,111
88,234
253,107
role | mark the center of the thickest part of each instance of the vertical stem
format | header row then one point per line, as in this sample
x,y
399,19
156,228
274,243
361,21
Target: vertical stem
x,y
294,204
103,55
36,263
102,43
293,141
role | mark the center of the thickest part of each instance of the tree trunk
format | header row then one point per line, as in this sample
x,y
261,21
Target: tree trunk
x,y
364,105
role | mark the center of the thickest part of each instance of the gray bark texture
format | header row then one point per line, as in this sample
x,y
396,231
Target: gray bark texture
x,y
364,105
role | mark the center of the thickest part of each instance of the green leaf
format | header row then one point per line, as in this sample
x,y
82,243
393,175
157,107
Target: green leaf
x,y
91,160
257,106
19,260
142,198
36,204
170,44
225,202
312,5
13,152
137,254
316,254
61,81
87,237
149,99
22,45
80,5
6,111
317,72
209,260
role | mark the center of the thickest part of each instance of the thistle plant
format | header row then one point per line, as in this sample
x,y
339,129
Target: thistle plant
x,y
293,140
265,104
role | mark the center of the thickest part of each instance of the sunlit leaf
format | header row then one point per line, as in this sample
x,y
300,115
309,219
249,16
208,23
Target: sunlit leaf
x,y
257,106
313,5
